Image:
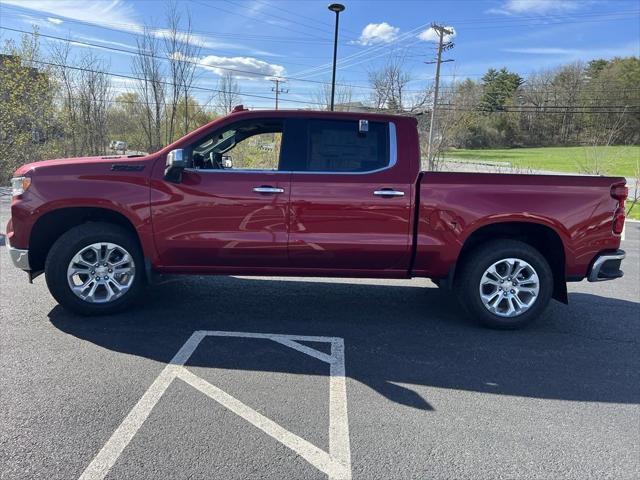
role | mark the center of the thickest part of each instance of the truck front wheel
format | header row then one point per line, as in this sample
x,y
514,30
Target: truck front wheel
x,y
94,269
504,284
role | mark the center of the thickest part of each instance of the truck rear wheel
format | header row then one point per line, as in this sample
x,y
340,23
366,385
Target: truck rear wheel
x,y
505,284
95,269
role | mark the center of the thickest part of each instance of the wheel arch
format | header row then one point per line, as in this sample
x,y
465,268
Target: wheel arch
x,y
542,237
51,225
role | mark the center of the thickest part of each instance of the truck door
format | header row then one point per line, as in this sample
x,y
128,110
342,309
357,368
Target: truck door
x,y
350,197
230,210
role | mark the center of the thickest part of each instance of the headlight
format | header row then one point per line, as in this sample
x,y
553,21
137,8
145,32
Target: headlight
x,y
19,185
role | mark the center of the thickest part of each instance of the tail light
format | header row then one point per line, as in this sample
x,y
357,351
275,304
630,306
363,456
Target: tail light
x,y
618,220
619,192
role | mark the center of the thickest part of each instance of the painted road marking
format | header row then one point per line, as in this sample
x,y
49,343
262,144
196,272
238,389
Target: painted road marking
x,y
336,464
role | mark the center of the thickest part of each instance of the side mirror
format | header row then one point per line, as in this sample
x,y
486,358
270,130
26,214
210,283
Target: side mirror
x,y
176,163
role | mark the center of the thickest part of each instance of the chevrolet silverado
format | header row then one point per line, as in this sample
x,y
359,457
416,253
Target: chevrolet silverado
x,y
302,193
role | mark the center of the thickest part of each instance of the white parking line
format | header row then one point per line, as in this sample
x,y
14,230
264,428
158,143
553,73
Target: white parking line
x,y
336,464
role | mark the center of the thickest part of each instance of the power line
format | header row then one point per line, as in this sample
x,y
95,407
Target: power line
x,y
231,12
442,46
205,65
119,75
137,29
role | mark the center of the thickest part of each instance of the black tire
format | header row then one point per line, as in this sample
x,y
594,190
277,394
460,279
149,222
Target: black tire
x,y
74,240
470,274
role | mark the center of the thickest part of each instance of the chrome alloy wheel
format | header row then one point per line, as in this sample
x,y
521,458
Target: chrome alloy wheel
x,y
101,272
509,287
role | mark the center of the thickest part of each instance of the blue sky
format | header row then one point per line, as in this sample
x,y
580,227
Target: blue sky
x,y
293,39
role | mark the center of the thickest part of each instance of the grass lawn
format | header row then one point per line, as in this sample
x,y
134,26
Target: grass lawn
x,y
615,160
635,213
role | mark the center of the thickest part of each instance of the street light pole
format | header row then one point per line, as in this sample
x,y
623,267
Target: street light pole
x,y
337,8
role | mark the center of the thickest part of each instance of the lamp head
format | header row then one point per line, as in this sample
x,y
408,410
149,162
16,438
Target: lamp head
x,y
336,7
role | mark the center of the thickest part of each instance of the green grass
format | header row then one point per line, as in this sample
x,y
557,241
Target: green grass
x,y
635,213
614,160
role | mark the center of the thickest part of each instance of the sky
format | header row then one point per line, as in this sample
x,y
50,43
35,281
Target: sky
x,y
293,39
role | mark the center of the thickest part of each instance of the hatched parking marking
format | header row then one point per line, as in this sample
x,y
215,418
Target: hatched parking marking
x,y
336,464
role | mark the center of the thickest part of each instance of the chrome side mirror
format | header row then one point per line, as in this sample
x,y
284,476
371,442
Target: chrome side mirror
x,y
176,158
175,164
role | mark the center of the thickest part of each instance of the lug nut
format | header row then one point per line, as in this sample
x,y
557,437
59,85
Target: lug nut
x,y
513,291
110,270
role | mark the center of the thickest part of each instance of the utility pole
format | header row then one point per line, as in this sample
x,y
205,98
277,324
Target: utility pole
x,y
442,46
277,89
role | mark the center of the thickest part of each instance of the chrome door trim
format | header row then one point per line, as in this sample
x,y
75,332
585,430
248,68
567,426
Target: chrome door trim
x,y
393,159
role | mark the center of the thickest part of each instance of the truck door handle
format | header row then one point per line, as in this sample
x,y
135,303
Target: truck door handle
x,y
268,189
388,192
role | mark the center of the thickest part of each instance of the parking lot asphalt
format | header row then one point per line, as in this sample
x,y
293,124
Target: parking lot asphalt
x,y
428,393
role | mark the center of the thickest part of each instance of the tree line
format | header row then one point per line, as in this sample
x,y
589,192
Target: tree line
x,y
62,104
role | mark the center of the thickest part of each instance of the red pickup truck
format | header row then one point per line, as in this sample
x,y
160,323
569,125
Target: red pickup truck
x,y
311,194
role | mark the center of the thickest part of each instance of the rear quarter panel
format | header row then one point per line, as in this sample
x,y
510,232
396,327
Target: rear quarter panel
x,y
454,205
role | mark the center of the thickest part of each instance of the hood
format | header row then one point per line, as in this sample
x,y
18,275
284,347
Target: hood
x,y
34,167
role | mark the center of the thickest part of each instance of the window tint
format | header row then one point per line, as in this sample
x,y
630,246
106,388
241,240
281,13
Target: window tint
x,y
338,146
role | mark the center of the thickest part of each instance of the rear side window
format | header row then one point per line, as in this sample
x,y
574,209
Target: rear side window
x,y
339,146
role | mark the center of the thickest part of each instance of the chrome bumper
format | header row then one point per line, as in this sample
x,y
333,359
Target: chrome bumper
x,y
20,258
606,267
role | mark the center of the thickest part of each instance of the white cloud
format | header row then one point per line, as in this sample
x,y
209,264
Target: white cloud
x,y
378,33
430,35
251,68
113,14
97,12
518,7
629,49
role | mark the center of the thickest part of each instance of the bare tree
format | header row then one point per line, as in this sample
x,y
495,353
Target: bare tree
x,y
84,99
182,51
151,87
228,95
93,96
598,160
343,95
389,84
634,192
60,56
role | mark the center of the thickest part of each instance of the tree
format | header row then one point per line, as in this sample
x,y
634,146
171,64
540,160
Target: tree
x,y
27,111
125,120
499,87
343,93
151,87
181,50
389,85
228,95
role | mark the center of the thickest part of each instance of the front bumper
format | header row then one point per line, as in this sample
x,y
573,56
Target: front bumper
x,y
606,266
20,258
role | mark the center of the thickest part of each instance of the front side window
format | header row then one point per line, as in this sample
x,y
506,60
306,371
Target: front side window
x,y
341,146
248,145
